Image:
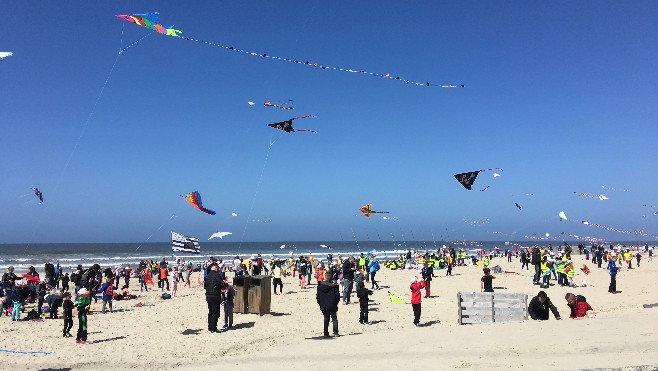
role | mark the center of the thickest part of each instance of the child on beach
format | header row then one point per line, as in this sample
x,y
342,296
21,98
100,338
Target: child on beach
x,y
613,268
65,282
416,298
277,272
83,306
108,293
174,281
68,315
229,296
486,282
142,281
362,293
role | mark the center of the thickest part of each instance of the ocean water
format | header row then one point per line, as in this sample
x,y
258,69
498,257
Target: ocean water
x,y
69,255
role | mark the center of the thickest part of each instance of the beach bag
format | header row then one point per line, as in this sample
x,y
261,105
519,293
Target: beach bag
x,y
166,296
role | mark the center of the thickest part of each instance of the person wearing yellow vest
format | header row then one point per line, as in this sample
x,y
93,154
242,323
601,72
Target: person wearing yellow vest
x,y
485,261
569,269
562,275
628,258
545,273
362,261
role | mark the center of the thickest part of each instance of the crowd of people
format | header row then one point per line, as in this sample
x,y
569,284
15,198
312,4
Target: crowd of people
x,y
336,280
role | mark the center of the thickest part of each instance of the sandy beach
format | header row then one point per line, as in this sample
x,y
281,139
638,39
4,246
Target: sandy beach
x,y
171,334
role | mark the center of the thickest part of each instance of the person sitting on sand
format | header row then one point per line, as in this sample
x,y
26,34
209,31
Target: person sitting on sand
x,y
539,307
486,282
578,305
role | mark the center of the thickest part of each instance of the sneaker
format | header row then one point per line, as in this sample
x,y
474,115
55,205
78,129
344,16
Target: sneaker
x,y
78,341
327,335
225,326
213,331
336,334
368,323
416,324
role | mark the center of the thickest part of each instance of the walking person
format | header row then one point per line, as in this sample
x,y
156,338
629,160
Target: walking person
x,y
374,268
328,297
213,286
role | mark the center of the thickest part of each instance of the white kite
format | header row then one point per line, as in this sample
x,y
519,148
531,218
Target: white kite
x,y
4,55
562,216
251,103
220,235
496,175
234,214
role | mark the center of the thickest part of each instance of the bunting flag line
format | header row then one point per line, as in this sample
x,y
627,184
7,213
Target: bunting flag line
x,y
280,105
600,197
150,21
611,229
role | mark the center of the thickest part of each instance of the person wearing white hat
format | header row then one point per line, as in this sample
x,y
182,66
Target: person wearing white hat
x,y
416,298
83,307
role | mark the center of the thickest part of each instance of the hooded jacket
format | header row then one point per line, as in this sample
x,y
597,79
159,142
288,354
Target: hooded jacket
x,y
328,297
415,291
580,308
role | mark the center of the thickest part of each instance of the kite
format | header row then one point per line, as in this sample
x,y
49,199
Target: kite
x,y
149,21
367,210
251,103
234,214
517,205
389,218
600,197
496,175
220,235
280,105
287,125
467,179
39,195
4,55
562,216
194,199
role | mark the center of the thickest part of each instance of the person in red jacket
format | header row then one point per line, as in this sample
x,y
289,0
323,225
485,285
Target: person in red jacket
x,y
578,305
416,298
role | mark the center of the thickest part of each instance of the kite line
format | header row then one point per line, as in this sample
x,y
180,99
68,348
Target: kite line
x,y
150,21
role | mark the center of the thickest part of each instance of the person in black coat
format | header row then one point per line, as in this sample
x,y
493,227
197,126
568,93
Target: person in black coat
x,y
539,307
535,259
213,285
328,297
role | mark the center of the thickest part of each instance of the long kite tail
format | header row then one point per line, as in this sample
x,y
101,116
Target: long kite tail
x,y
301,117
493,168
270,104
307,130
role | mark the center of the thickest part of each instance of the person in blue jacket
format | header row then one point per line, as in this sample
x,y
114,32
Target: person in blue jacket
x,y
374,267
613,268
108,293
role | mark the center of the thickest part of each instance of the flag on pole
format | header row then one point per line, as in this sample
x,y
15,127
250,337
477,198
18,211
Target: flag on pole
x,y
183,243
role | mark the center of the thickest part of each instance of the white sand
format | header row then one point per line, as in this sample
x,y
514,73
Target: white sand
x,y
172,334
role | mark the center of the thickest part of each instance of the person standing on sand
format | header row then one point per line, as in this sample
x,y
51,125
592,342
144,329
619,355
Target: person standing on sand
x,y
68,315
427,278
213,286
374,267
83,306
416,298
328,297
613,268
349,267
277,273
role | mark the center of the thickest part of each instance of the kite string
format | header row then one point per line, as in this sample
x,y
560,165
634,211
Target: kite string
x,y
75,146
253,199
159,228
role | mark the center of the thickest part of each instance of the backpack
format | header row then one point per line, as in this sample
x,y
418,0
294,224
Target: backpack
x,y
109,290
166,296
84,280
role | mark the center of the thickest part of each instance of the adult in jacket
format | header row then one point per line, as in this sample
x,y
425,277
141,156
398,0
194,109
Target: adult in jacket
x,y
539,307
213,285
328,297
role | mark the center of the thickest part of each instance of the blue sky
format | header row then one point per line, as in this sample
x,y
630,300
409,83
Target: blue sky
x,y
562,95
